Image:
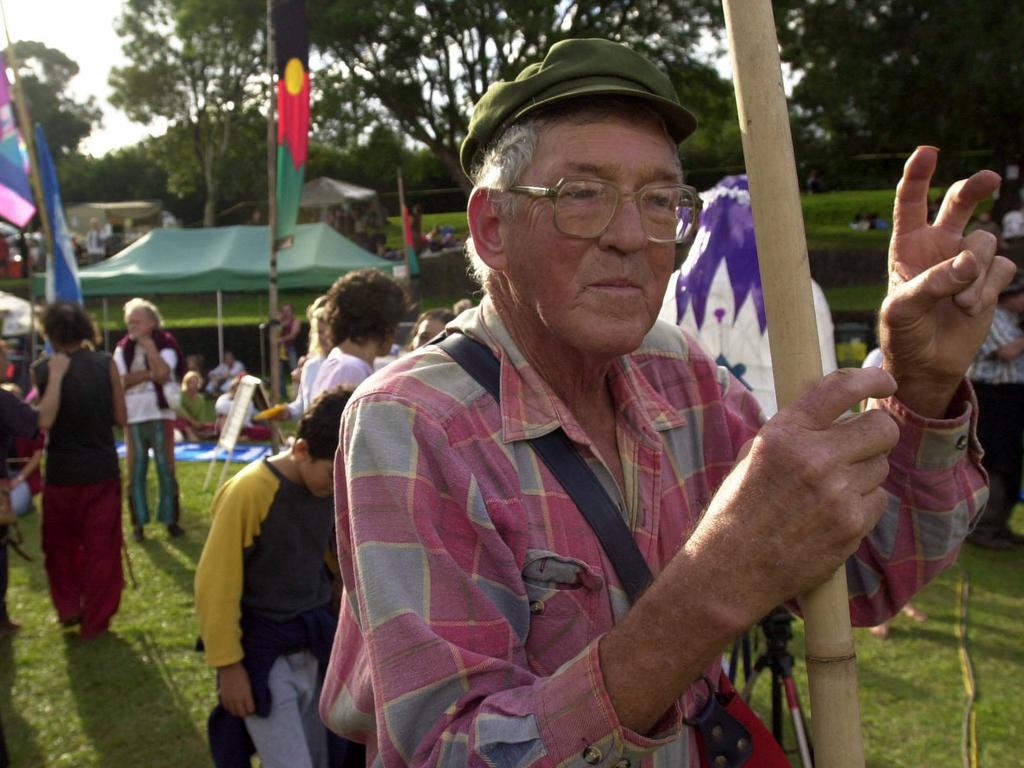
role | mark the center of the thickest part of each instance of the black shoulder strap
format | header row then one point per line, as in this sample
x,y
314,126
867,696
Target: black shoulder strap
x,y
561,457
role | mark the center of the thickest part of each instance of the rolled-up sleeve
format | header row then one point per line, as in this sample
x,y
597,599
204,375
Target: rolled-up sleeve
x,y
936,488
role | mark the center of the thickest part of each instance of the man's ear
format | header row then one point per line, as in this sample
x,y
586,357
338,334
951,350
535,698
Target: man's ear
x,y
300,449
485,228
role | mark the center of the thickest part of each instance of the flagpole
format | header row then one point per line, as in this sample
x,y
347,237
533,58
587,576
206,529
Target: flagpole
x,y
411,270
401,216
274,326
793,338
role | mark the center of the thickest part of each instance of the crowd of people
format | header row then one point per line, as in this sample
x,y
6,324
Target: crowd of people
x,y
407,583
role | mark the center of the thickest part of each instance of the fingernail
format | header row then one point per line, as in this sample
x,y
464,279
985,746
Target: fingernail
x,y
928,146
960,263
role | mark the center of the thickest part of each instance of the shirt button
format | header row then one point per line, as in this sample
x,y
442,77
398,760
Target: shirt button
x,y
592,755
537,606
623,764
961,442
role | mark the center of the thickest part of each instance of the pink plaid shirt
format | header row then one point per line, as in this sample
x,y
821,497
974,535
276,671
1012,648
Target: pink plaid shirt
x,y
477,592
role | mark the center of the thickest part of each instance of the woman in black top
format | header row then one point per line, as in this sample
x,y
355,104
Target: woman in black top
x,y
82,495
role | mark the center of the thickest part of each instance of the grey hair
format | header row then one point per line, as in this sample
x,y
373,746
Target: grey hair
x,y
502,165
150,308
507,158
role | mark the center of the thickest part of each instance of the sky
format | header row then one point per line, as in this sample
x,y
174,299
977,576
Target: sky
x,y
85,32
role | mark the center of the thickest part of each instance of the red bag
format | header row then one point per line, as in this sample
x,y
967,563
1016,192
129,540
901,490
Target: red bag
x,y
730,734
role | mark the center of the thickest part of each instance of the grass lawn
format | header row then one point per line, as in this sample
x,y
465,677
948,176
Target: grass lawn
x,y
199,310
827,220
140,696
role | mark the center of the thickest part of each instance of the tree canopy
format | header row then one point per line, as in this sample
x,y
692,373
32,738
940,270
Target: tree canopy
x,y
879,76
45,75
196,64
422,64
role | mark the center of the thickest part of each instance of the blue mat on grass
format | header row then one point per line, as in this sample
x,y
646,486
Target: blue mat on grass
x,y
243,453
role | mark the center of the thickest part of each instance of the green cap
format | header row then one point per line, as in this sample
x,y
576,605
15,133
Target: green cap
x,y
574,69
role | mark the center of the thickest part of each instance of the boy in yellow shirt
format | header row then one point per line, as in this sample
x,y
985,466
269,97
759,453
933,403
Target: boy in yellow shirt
x,y
264,599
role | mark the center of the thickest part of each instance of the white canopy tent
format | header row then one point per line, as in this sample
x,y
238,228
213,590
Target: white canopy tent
x,y
324,193
15,315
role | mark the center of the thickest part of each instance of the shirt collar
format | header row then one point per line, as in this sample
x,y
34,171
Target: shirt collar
x,y
530,408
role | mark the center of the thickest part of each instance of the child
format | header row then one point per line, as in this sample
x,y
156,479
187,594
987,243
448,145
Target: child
x,y
190,410
264,598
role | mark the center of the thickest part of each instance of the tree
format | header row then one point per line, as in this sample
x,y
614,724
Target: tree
x,y
880,76
422,64
128,173
716,147
46,75
196,64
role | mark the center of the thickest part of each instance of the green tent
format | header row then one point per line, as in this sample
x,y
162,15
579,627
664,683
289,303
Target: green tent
x,y
219,259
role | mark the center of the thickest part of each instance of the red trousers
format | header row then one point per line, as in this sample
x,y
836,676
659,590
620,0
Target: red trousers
x,y
82,545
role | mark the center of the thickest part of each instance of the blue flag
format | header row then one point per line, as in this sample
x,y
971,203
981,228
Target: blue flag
x,y
62,270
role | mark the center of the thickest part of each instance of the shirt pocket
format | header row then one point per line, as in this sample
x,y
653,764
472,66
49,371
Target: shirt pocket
x,y
563,594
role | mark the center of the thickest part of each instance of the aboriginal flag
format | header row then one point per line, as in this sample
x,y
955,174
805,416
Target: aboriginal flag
x,y
292,53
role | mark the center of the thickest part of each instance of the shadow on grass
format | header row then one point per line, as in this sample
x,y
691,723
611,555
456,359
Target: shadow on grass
x,y
20,738
33,547
111,699
175,557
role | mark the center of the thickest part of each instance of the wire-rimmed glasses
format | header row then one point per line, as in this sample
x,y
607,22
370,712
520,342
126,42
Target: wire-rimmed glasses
x,y
585,208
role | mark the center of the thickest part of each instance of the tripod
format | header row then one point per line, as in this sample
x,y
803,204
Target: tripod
x,y
777,629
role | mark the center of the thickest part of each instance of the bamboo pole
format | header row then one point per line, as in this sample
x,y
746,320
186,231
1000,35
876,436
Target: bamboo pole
x,y
793,338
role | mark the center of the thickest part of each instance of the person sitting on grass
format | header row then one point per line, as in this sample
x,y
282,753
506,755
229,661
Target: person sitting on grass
x,y
266,600
250,431
219,379
191,409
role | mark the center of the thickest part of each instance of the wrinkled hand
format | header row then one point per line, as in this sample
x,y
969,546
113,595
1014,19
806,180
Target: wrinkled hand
x,y
804,496
235,691
943,286
58,364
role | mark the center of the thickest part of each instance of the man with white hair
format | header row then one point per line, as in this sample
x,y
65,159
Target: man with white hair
x,y
492,620
150,363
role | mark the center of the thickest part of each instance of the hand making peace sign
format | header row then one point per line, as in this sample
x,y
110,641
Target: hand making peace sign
x,y
943,286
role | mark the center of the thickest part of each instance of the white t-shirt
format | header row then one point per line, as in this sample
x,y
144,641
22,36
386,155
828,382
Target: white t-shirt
x,y
222,376
141,399
340,368
223,407
307,381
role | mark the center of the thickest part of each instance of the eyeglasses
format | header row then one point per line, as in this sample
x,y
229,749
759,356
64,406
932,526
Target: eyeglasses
x,y
585,208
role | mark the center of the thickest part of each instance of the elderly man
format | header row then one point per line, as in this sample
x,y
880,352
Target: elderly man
x,y
484,623
150,363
